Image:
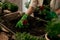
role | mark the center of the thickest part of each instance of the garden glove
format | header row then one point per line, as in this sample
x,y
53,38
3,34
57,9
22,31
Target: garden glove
x,y
21,21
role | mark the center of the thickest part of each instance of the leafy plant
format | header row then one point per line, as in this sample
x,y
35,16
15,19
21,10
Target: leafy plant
x,y
10,6
0,8
5,6
53,29
49,15
13,7
1,4
27,36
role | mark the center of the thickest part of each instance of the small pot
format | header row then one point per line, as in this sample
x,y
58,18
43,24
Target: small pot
x,y
46,37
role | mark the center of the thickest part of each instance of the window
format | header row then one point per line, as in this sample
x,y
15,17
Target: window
x,y
23,5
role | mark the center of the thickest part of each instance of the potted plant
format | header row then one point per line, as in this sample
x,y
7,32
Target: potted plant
x,y
53,30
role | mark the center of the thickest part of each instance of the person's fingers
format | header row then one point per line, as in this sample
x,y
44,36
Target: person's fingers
x,y
30,10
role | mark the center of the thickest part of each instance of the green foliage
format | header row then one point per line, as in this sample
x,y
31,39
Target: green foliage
x,y
49,15
13,7
5,5
10,6
53,29
27,36
1,4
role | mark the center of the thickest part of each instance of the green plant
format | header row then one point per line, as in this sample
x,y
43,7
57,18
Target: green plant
x,y
49,15
1,4
13,7
53,29
27,36
5,6
10,6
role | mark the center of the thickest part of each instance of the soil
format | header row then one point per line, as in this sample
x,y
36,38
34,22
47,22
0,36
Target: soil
x,y
36,28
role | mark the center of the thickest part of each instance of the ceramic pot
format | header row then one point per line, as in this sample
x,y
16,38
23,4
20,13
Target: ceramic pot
x,y
46,37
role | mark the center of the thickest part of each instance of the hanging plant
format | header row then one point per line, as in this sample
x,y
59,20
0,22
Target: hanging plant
x,y
10,6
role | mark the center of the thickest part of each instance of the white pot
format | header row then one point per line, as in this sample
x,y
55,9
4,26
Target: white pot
x,y
46,37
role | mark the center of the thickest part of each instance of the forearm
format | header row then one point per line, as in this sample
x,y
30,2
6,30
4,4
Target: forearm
x,y
29,11
32,6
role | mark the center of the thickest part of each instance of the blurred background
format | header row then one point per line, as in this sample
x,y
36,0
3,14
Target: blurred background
x,y
20,3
